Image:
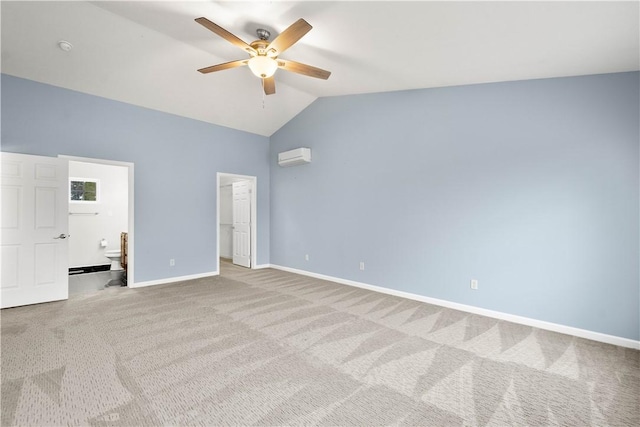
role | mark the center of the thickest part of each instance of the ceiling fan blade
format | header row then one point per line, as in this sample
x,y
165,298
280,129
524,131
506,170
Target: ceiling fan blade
x,y
269,85
288,37
225,34
307,70
225,66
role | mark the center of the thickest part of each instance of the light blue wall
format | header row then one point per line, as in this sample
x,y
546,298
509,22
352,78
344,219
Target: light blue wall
x,y
530,187
176,160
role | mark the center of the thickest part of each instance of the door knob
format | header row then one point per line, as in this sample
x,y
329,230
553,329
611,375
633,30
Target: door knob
x,y
62,236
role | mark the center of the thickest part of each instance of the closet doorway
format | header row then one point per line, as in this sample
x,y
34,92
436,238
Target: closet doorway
x,y
236,218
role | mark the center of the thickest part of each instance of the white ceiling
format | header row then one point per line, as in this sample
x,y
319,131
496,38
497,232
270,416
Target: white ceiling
x,y
147,53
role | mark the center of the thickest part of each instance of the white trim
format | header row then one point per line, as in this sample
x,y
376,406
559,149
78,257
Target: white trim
x,y
540,324
131,205
261,266
174,279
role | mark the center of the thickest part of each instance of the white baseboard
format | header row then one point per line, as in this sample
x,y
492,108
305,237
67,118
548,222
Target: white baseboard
x,y
261,266
554,327
172,280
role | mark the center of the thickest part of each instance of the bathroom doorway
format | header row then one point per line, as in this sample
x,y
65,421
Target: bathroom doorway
x,y
100,219
236,219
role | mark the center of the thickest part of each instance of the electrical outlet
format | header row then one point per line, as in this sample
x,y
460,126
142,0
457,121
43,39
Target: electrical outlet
x,y
306,257
172,262
361,265
474,284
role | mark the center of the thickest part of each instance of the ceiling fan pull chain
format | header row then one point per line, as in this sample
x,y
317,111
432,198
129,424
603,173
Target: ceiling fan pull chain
x,y
263,95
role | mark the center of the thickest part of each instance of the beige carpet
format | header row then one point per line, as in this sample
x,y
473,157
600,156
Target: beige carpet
x,y
272,348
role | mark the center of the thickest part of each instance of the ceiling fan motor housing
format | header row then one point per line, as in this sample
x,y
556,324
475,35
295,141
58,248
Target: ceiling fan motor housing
x,y
260,46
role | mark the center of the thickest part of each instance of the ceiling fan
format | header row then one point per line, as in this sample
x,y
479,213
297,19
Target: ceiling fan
x,y
264,60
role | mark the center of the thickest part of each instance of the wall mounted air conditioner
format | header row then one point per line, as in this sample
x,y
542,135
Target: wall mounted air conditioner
x,y
298,156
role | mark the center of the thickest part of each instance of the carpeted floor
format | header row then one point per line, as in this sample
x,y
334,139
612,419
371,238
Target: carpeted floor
x,y
272,348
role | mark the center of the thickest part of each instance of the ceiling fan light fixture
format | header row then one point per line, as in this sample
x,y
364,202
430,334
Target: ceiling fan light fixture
x,y
263,66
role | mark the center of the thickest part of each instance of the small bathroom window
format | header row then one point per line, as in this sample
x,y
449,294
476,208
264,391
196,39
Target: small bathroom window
x,y
84,190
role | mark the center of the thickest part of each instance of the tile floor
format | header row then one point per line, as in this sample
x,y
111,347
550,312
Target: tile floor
x,y
89,282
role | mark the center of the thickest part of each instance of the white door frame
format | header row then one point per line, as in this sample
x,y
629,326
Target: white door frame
x,y
130,221
254,215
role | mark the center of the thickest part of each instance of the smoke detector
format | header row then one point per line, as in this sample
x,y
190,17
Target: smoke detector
x,y
65,45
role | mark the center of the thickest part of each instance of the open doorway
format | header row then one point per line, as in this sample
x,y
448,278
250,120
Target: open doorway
x,y
101,218
236,218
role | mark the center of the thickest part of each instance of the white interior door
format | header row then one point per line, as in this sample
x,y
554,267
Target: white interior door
x,y
242,223
34,227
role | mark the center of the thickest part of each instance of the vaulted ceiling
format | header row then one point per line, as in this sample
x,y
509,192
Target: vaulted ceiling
x,y
146,53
